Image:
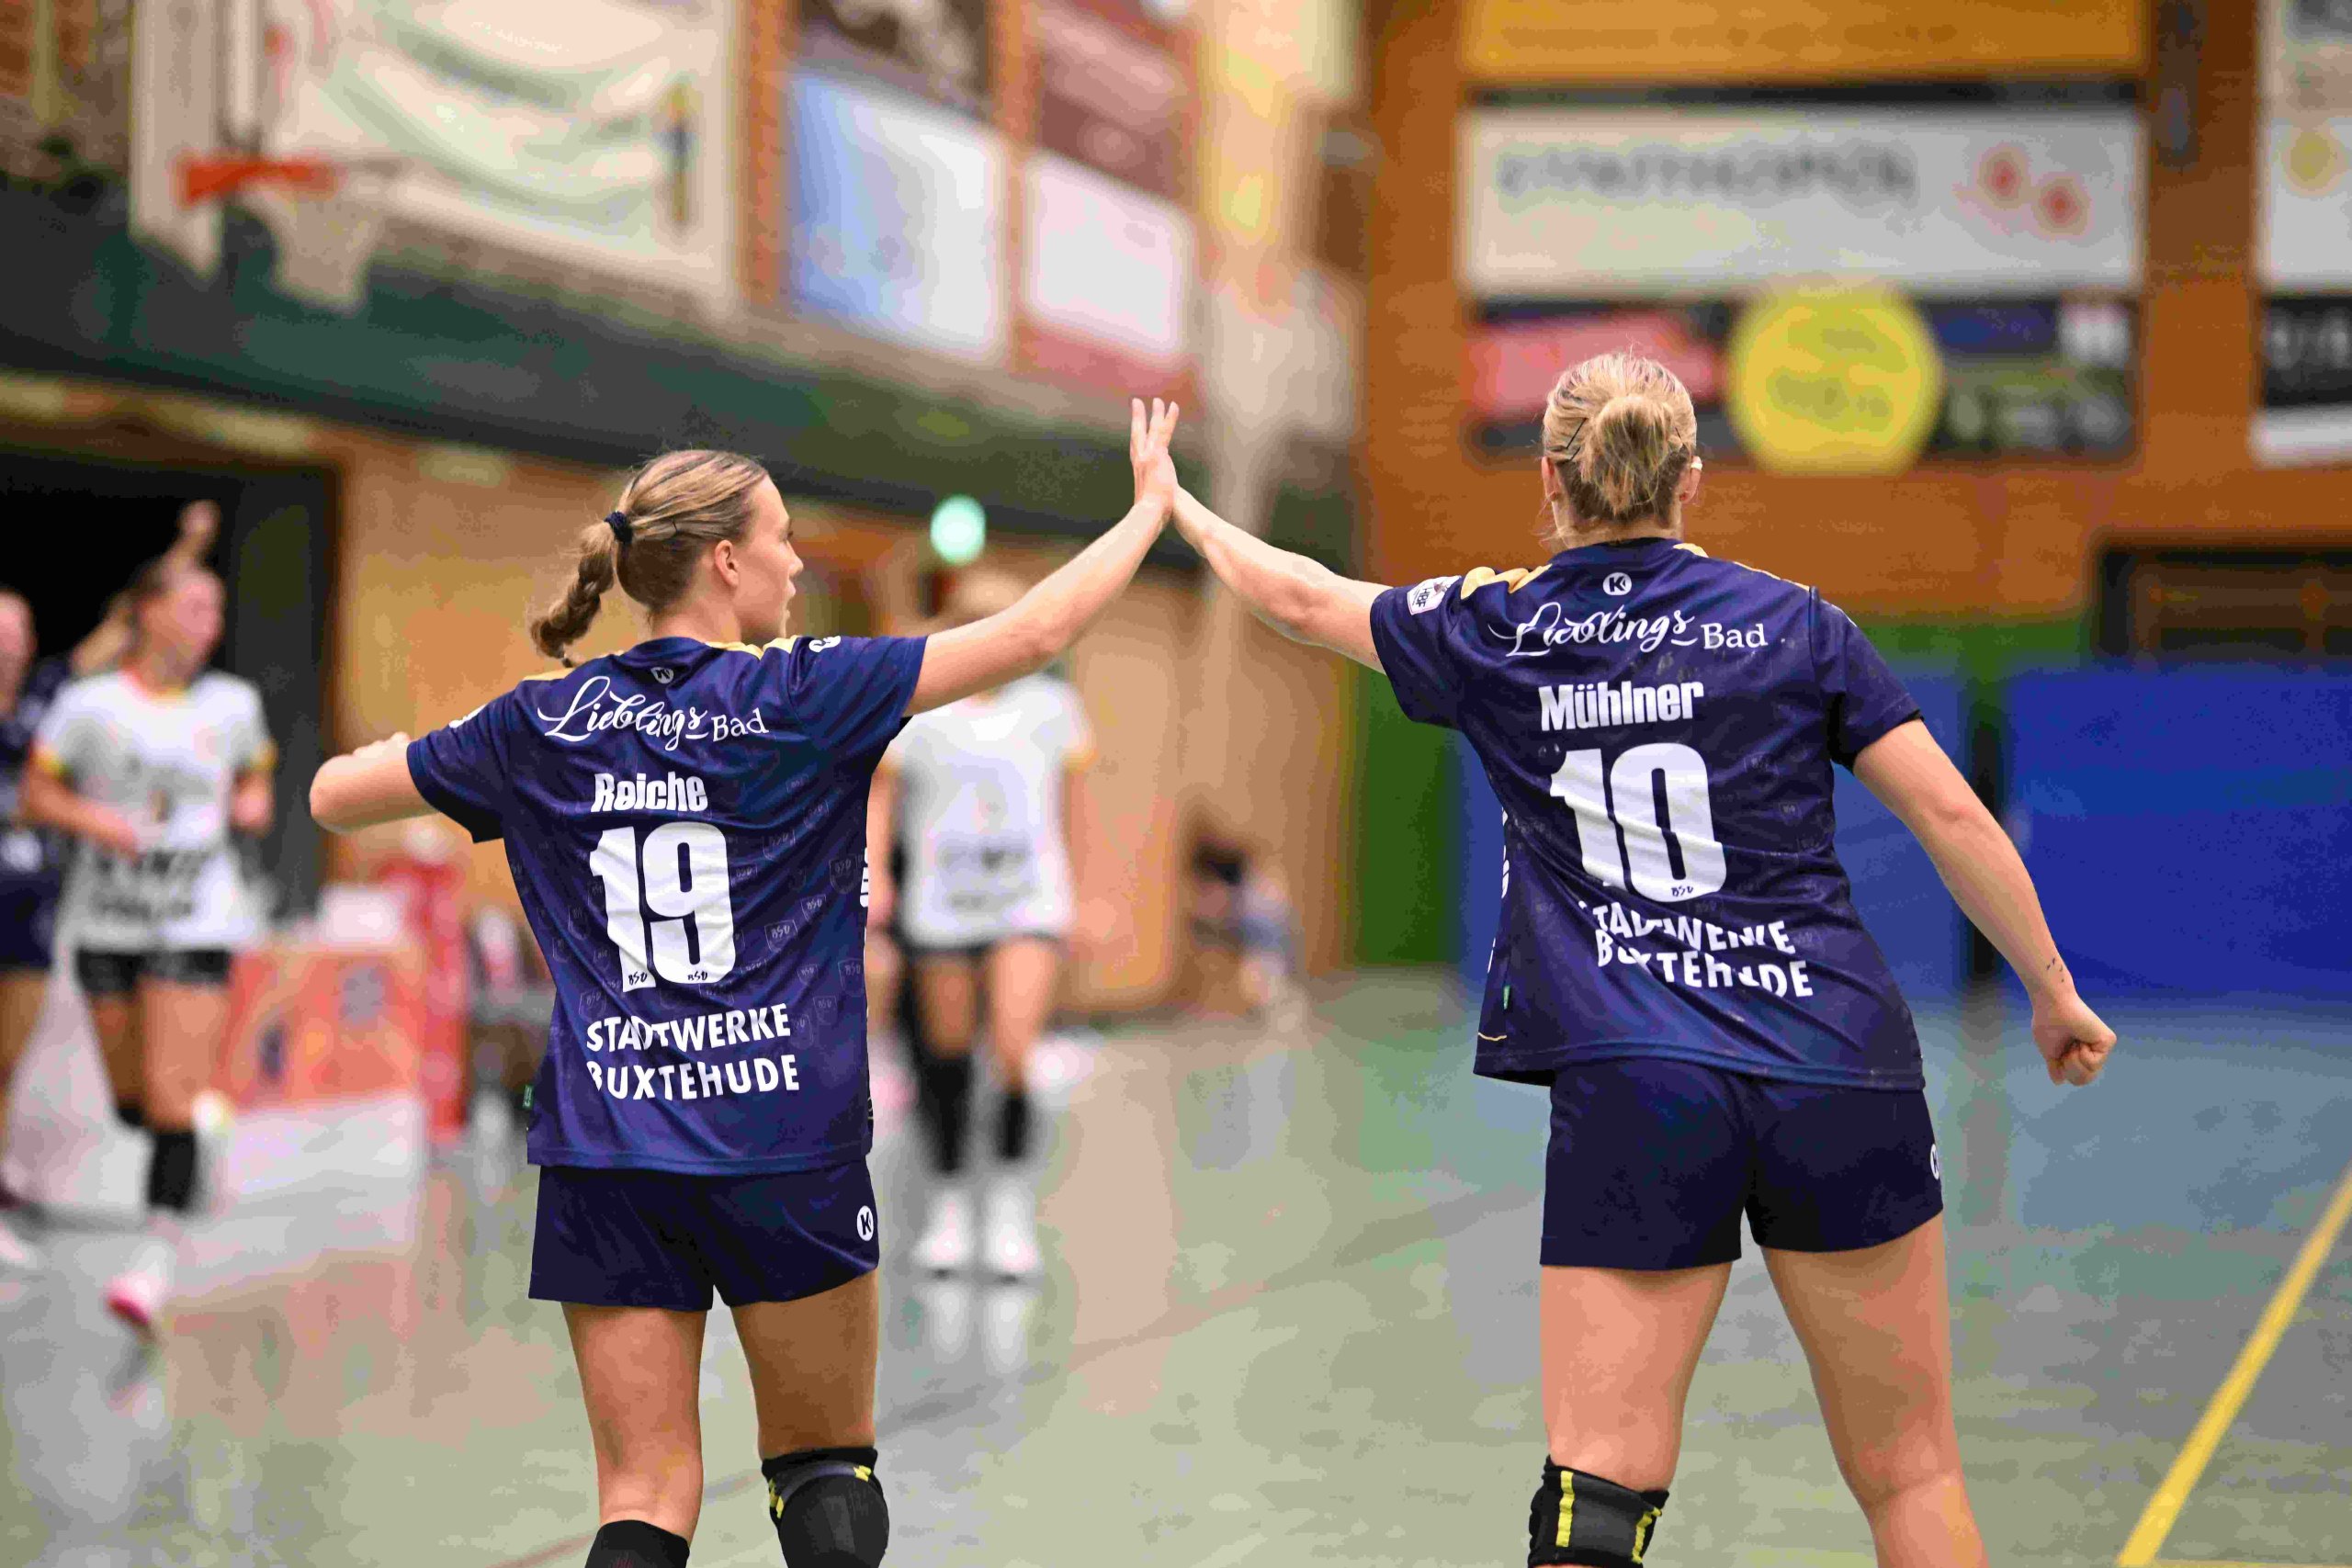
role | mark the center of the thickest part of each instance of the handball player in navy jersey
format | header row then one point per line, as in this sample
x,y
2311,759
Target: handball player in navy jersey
x,y
1680,962
686,825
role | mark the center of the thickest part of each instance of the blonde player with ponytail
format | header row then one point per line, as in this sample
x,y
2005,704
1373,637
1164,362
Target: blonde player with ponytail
x,y
686,824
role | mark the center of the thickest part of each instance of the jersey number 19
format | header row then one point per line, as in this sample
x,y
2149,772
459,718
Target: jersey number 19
x,y
1651,792
684,878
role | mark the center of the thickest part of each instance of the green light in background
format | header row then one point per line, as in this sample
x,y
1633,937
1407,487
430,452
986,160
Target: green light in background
x,y
959,530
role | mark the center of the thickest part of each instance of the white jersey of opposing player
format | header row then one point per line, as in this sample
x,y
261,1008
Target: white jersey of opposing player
x,y
170,761
980,792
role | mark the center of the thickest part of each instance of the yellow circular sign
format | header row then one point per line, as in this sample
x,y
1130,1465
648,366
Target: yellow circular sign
x,y
1836,381
2314,162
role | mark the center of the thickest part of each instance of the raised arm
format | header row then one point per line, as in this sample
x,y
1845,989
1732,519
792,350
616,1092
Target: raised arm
x,y
110,638
1048,619
1909,772
1303,600
364,787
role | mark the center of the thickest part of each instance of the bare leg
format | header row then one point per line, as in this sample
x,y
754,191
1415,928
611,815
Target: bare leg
x,y
948,990
183,1027
640,1372
115,1021
21,991
1619,1347
812,1367
1876,1326
1023,976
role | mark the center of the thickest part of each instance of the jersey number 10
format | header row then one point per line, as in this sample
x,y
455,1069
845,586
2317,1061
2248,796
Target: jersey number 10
x,y
1652,791
685,878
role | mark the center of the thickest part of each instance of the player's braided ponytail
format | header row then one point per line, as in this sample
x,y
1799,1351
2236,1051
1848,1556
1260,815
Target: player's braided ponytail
x,y
671,511
1621,432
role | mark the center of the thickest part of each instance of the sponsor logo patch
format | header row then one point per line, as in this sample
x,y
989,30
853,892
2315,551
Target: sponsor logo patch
x,y
1427,596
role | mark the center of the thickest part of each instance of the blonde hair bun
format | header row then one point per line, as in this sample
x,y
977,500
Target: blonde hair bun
x,y
1622,432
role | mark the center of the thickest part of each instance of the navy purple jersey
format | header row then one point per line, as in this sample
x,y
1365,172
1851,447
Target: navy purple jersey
x,y
29,856
686,826
1659,728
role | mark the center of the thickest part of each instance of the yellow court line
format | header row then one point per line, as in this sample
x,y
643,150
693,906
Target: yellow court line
x,y
2195,1563
2164,1509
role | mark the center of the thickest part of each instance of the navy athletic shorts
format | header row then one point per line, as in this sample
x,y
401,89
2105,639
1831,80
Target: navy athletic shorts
x,y
27,923
655,1238
1652,1162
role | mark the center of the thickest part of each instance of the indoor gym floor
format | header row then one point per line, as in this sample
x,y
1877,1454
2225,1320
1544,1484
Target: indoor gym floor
x,y
1289,1319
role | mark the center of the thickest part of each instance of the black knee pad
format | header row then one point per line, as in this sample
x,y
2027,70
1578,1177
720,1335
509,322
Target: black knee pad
x,y
1584,1519
633,1543
828,1508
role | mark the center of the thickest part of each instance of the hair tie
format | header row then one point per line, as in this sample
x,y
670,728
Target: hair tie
x,y
619,523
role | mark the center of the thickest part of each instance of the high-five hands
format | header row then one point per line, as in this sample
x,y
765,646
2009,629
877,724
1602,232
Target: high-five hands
x,y
1148,437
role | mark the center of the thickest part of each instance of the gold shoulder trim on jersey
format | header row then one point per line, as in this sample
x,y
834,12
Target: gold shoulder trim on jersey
x,y
781,645
1685,545
1514,580
546,676
1774,575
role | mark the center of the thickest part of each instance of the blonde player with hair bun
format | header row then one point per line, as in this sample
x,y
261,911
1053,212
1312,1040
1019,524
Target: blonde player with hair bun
x,y
1678,963
982,795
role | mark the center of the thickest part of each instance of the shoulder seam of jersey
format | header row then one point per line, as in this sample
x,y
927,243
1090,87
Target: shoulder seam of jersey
x,y
1762,572
782,645
1513,579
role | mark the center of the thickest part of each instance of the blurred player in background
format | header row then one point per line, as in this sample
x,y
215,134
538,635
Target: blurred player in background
x,y
1245,931
685,823
31,861
982,795
1679,961
153,767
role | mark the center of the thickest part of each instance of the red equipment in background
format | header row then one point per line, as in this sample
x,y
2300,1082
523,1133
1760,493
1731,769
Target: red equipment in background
x,y
309,1024
431,884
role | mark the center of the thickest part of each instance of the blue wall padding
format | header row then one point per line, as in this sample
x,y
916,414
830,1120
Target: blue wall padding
x,y
1897,890
2191,829
1895,887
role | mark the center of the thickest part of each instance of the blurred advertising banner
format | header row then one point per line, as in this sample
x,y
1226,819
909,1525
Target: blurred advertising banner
x,y
2304,234
1844,288
1112,91
598,132
897,220
1855,381
1605,201
1798,40
1106,286
937,48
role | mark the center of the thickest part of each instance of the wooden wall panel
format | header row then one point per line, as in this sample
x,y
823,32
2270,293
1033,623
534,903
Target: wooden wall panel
x,y
1947,539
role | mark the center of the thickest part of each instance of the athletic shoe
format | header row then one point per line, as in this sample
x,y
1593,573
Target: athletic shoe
x,y
140,1293
1012,1229
946,1244
17,1256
